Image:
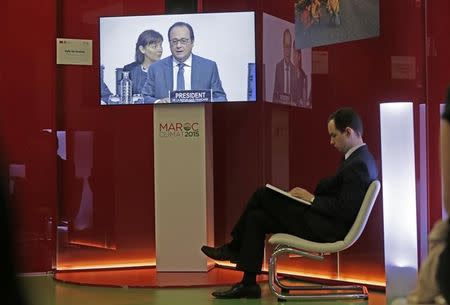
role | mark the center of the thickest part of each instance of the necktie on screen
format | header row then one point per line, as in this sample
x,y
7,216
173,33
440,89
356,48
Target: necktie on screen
x,y
286,80
180,76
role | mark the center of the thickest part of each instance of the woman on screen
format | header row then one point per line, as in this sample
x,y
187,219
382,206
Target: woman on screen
x,y
148,50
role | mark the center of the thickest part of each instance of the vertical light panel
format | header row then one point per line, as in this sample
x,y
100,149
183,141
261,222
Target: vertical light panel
x,y
422,186
399,198
444,212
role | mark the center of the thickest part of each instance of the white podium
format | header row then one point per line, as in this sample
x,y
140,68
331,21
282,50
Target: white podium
x,y
183,162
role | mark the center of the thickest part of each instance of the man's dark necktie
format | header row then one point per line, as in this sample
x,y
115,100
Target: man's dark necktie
x,y
180,76
287,80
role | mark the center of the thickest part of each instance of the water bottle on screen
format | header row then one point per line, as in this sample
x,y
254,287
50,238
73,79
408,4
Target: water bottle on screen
x,y
126,93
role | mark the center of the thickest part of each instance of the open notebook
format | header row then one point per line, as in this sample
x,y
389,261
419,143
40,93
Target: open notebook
x,y
270,186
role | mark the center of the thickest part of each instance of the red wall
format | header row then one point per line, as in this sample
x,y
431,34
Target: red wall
x,y
27,79
437,80
121,180
42,95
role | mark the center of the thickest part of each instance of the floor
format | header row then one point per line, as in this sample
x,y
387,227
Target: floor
x,y
147,277
44,290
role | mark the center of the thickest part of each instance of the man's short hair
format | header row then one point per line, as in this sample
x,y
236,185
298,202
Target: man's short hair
x,y
287,32
180,23
347,117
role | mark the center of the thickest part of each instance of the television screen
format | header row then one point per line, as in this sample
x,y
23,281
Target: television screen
x,y
287,70
177,58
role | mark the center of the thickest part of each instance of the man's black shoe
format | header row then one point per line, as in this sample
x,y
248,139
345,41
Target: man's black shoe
x,y
238,291
222,253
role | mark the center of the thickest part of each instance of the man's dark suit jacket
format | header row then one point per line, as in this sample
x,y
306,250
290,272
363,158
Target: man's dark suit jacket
x,y
339,198
204,76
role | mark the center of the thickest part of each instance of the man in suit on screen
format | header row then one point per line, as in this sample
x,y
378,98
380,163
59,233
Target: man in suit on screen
x,y
182,70
285,89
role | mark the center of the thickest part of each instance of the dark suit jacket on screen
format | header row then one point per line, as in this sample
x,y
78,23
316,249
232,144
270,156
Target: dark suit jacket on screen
x,y
338,198
137,76
278,87
204,76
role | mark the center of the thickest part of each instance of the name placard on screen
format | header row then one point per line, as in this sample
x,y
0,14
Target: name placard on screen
x,y
190,96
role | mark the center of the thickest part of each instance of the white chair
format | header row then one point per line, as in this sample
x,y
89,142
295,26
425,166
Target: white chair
x,y
289,244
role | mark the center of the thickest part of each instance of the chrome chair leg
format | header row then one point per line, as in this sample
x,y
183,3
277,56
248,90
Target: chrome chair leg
x,y
315,292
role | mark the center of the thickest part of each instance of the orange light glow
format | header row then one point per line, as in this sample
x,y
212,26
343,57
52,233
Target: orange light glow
x,y
318,276
107,265
90,244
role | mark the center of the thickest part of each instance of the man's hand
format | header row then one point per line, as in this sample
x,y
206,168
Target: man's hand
x,y
302,194
165,100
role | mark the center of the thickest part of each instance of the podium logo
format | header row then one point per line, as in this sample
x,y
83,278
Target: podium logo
x,y
179,129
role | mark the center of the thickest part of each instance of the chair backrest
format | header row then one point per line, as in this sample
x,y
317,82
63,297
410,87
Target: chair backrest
x,y
363,214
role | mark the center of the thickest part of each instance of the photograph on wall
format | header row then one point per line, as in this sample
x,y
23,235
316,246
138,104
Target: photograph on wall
x,y
287,70
324,22
208,58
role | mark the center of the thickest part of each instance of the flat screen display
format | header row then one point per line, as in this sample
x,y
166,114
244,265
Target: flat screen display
x,y
287,70
177,58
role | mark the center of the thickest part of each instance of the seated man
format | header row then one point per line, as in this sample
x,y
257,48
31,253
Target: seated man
x,y
334,206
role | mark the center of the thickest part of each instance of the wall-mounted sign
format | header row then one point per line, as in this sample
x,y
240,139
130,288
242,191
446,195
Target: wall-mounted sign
x,y
320,62
403,67
73,51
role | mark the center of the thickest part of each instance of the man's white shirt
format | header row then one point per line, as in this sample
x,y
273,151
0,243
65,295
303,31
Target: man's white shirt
x,y
187,72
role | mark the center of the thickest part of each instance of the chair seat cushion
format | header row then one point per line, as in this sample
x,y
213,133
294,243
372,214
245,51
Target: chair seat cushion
x,y
307,245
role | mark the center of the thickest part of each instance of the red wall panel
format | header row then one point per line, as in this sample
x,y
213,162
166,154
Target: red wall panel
x,y
28,81
438,80
359,75
120,216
